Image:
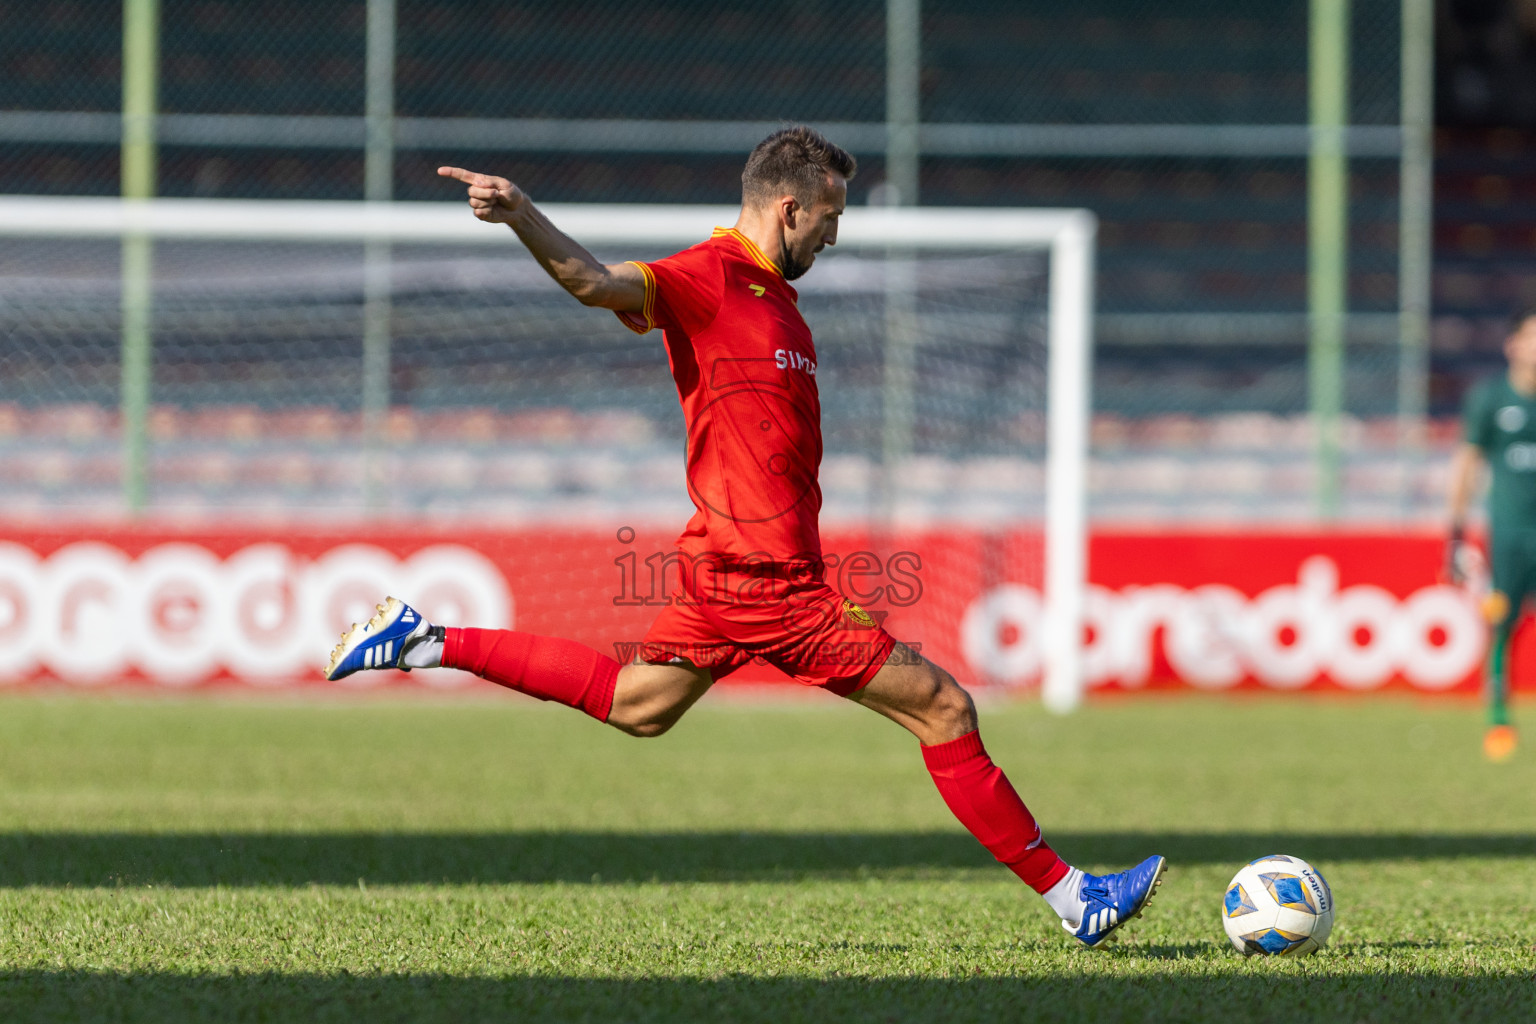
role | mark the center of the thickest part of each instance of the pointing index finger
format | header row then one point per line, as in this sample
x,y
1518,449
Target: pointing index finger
x,y
460,174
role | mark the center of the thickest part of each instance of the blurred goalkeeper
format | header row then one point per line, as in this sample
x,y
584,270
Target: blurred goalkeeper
x,y
1500,418
752,583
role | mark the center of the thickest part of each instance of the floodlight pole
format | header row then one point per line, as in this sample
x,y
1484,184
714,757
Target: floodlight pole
x,y
902,58
1328,241
1414,238
378,187
903,73
141,72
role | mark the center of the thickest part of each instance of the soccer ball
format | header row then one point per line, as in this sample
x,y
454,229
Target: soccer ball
x,y
1278,906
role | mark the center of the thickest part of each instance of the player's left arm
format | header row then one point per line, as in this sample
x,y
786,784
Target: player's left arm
x,y
1466,473
1466,470
616,286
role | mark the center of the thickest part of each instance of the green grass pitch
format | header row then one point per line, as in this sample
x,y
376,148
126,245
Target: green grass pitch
x,y
486,859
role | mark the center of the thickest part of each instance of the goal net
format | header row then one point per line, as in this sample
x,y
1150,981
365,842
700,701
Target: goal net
x,y
336,364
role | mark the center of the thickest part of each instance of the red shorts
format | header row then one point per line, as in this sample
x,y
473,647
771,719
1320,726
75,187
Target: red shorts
x,y
786,617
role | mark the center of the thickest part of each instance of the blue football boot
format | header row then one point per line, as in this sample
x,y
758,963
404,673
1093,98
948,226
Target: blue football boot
x,y
1112,900
381,642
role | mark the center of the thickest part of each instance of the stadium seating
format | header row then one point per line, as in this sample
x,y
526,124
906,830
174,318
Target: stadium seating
x,y
478,463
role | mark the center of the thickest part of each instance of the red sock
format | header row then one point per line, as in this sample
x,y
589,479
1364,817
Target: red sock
x,y
981,796
540,666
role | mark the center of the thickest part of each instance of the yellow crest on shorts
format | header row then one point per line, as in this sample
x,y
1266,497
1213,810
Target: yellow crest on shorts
x,y
1495,607
858,616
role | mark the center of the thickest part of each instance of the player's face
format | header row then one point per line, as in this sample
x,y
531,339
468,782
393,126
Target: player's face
x,y
815,227
1520,347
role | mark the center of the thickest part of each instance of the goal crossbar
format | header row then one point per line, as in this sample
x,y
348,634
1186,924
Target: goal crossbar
x,y
598,223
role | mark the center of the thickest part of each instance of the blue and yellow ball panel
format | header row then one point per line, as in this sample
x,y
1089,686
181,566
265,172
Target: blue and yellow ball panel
x,y
1238,903
1272,941
1289,891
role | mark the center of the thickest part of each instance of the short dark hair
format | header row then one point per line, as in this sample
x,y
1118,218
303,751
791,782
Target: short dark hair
x,y
1519,316
795,161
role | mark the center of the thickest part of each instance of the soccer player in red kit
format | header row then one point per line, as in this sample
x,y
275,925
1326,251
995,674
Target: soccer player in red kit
x,y
752,581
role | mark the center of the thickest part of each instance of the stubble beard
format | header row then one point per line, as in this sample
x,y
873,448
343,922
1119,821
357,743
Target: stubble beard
x,y
791,266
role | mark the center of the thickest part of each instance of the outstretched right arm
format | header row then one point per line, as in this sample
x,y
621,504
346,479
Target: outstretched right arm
x,y
618,286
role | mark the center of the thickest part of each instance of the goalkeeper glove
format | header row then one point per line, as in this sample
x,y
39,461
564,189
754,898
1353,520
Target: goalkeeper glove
x,y
1463,560
1452,548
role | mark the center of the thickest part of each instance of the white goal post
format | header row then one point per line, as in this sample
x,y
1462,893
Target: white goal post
x,y
1067,235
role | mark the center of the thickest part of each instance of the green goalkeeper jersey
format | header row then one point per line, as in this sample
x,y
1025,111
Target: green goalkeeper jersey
x,y
1502,422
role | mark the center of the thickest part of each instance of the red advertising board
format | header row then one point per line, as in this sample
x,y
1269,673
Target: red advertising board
x,y
1214,611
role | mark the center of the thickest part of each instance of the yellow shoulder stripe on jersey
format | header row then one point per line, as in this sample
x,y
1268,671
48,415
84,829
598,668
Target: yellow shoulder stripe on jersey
x,y
648,311
753,252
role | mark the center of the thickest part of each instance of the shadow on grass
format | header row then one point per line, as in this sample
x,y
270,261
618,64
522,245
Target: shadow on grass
x,y
111,858
1248,995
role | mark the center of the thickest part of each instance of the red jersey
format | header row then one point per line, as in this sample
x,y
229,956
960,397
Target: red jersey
x,y
745,368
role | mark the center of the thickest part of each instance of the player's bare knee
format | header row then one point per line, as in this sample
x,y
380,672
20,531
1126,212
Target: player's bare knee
x,y
644,723
642,730
940,708
952,708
